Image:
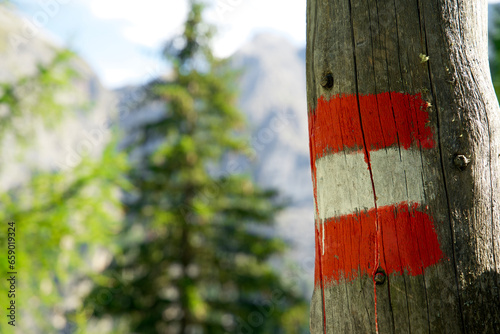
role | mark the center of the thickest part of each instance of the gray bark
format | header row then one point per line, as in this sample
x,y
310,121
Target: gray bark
x,y
375,46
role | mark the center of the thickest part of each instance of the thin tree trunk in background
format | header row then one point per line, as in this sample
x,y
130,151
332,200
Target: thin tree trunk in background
x,y
405,153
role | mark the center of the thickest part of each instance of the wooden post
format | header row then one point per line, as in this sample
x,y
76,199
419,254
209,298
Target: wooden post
x,y
405,154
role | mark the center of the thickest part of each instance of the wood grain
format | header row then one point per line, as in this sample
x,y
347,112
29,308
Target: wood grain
x,y
436,48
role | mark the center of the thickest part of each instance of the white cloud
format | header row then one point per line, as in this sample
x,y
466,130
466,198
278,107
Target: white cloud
x,y
151,22
238,22
146,22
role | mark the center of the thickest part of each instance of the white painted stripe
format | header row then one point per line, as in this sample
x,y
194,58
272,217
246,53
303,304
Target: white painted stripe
x,y
345,185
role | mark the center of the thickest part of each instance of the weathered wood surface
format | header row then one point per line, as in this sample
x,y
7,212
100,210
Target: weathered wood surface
x,y
435,50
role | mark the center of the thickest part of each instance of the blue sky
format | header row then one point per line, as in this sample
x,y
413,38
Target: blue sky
x,y
121,39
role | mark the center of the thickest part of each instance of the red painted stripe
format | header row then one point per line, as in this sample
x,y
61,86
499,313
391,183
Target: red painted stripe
x,y
389,119
408,244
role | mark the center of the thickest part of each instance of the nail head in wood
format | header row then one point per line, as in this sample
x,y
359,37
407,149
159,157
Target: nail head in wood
x,y
460,161
379,276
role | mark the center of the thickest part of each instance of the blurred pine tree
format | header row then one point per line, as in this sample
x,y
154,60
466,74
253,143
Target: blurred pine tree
x,y
201,263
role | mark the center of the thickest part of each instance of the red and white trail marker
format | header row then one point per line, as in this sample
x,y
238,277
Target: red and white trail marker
x,y
368,185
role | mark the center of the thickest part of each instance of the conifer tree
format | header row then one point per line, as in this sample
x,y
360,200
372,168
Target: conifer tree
x,y
201,263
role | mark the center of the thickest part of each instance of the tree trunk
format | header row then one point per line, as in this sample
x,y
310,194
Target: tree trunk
x,y
405,154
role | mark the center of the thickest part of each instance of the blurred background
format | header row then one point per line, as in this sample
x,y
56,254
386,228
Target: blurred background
x,y
156,165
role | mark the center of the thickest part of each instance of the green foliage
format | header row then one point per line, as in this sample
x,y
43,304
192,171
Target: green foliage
x,y
62,218
39,97
198,238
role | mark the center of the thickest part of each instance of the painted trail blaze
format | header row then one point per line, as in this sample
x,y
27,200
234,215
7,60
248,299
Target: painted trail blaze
x,y
408,239
370,202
